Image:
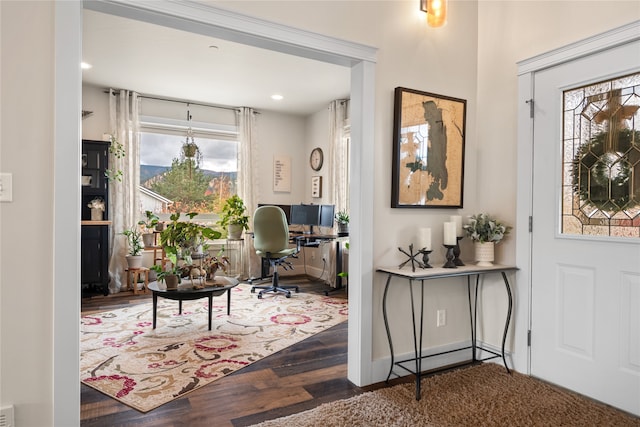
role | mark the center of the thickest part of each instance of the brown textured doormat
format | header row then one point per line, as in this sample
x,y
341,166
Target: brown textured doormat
x,y
482,395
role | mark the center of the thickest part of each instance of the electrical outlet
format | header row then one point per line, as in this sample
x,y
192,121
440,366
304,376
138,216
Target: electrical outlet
x,y
442,318
6,187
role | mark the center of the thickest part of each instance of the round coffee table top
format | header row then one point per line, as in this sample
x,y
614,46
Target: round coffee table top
x,y
218,286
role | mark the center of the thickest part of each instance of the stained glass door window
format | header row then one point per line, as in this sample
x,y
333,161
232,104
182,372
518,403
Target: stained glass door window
x,y
601,159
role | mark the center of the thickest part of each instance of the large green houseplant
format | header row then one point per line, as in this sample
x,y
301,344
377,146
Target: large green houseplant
x,y
182,238
233,216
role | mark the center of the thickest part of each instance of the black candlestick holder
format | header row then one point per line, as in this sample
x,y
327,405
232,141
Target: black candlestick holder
x,y
425,258
456,253
450,256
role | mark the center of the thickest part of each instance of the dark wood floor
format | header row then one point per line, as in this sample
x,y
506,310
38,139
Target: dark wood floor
x,y
300,377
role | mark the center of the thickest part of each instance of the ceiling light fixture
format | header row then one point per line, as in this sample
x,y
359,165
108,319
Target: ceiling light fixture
x,y
277,97
436,11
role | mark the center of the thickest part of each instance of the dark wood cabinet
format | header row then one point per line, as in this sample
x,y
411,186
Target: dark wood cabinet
x,y
94,258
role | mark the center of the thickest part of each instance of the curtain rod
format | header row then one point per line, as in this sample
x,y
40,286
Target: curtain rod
x,y
117,91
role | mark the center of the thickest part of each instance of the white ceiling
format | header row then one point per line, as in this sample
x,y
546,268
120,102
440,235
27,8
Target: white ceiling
x,y
165,62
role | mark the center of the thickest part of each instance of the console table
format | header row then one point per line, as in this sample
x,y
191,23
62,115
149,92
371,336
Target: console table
x,y
424,275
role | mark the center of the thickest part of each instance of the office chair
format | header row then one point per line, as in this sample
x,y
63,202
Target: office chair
x,y
271,241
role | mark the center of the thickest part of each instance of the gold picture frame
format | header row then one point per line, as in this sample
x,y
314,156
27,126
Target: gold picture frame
x,y
428,150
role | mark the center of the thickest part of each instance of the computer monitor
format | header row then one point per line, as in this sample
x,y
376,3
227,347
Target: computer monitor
x,y
327,215
305,215
285,208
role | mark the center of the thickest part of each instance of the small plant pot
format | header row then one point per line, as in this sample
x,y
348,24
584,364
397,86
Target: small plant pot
x,y
189,150
172,281
484,253
96,214
343,229
160,226
148,239
134,261
234,231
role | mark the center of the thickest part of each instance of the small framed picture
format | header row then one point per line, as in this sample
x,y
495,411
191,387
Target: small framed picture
x,y
316,186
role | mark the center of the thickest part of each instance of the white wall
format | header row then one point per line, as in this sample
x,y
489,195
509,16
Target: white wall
x,y
27,223
94,99
411,55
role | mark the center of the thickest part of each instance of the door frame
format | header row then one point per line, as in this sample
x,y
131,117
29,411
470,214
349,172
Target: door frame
x,y
219,23
524,205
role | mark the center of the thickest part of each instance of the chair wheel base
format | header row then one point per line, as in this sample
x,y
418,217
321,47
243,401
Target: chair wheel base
x,y
285,291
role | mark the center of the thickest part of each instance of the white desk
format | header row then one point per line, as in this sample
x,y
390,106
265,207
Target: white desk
x,y
423,275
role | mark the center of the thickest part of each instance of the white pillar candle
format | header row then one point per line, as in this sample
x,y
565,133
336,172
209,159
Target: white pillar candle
x,y
458,220
450,233
424,239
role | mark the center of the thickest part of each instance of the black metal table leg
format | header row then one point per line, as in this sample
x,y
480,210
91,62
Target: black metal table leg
x,y
418,353
210,304
386,325
155,308
475,319
228,302
471,320
506,325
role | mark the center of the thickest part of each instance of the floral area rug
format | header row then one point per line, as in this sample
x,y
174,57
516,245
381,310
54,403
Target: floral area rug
x,y
123,357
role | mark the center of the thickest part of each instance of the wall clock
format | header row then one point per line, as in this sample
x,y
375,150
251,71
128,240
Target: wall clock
x,y
316,159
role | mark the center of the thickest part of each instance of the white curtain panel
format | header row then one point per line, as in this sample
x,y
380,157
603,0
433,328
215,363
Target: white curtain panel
x,y
339,154
123,195
247,173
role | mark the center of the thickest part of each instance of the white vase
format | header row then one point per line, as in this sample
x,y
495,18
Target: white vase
x,y
134,261
484,253
234,231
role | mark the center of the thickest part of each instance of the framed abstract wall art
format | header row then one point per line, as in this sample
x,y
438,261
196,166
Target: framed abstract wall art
x,y
428,150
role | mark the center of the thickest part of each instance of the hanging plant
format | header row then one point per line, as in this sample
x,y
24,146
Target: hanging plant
x,y
117,150
604,179
191,152
190,149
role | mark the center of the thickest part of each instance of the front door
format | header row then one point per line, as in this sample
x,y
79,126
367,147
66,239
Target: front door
x,y
585,284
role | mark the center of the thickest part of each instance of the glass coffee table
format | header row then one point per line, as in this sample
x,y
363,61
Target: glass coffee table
x,y
186,292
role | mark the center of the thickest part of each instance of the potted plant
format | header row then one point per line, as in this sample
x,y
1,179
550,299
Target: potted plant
x,y
170,276
134,244
485,231
149,225
181,238
233,217
97,207
342,219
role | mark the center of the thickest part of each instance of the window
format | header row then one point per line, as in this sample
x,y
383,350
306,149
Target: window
x,y
186,171
601,162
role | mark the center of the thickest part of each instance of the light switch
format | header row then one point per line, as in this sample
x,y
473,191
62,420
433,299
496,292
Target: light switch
x,y
6,187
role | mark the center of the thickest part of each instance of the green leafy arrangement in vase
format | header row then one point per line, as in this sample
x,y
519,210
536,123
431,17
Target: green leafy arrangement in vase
x,y
484,228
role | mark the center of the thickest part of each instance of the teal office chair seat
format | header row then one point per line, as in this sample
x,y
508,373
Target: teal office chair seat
x,y
271,242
